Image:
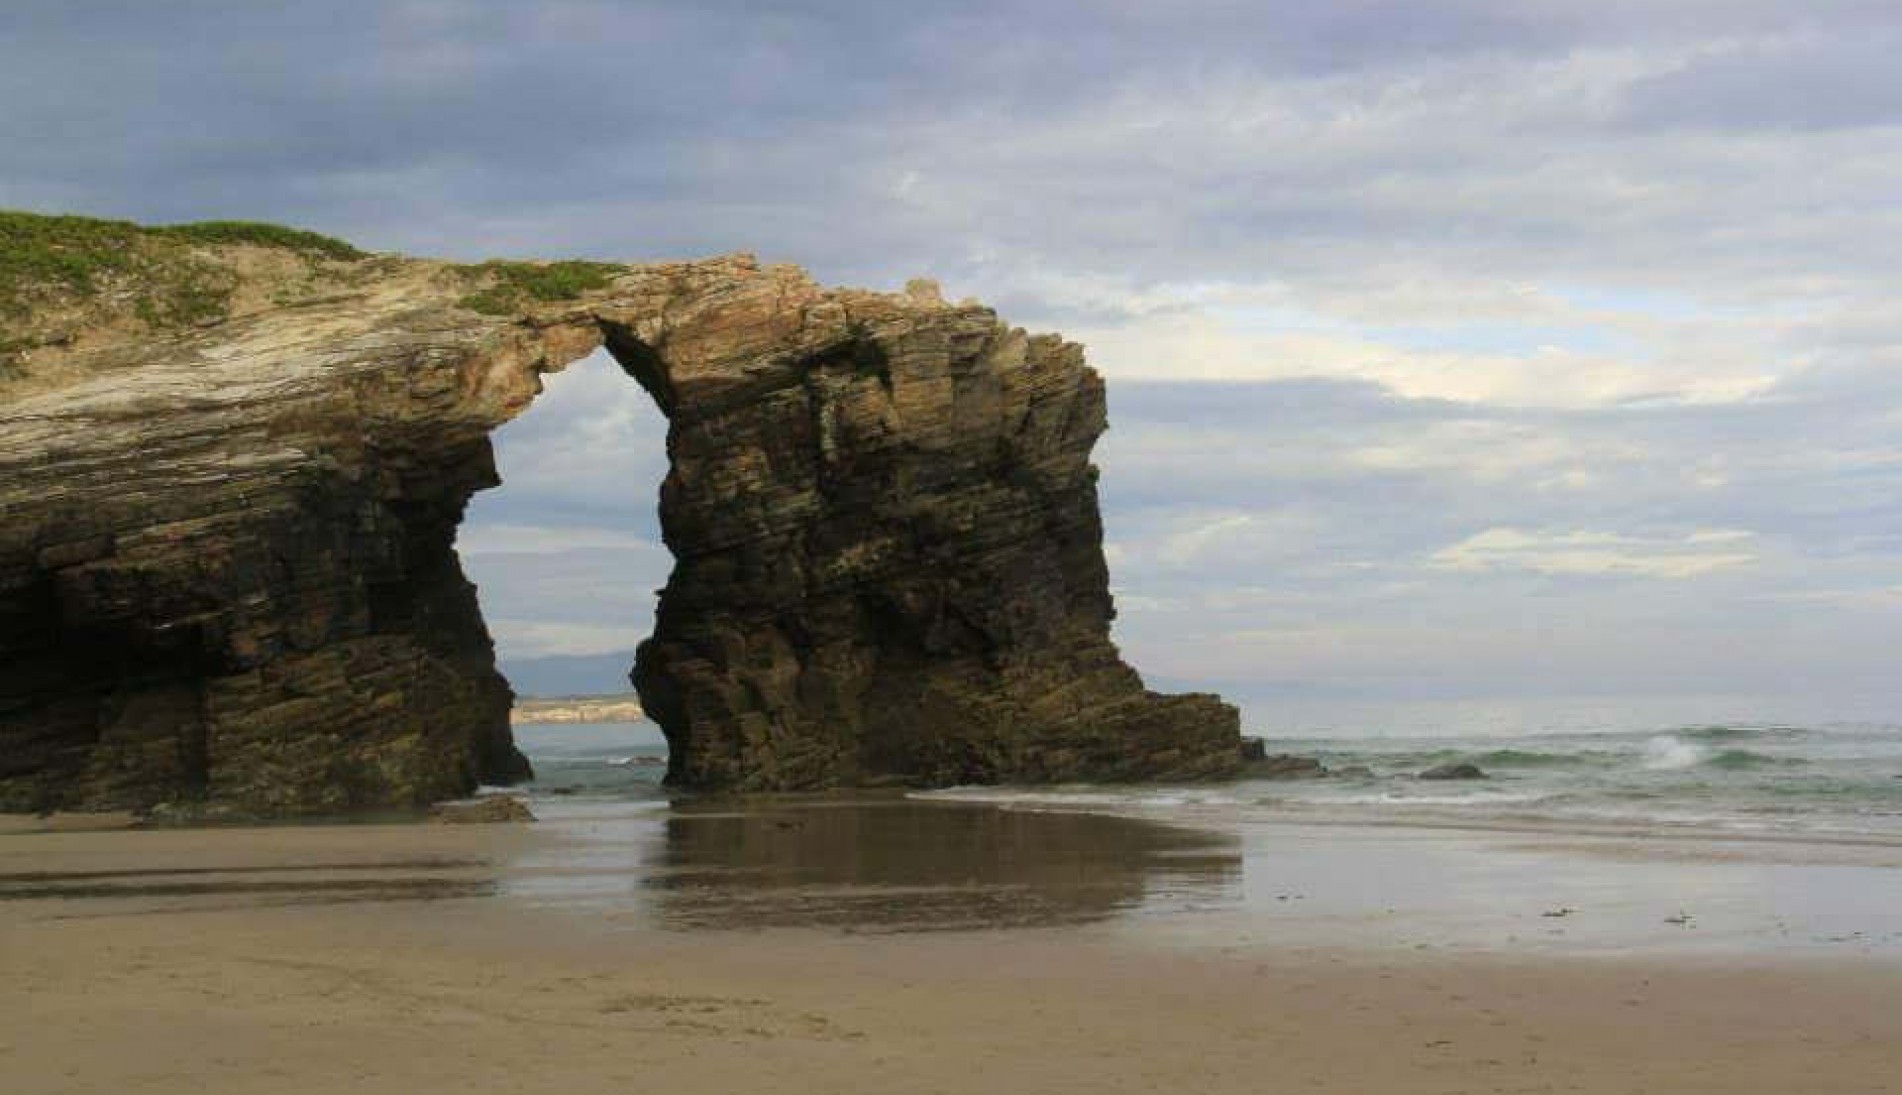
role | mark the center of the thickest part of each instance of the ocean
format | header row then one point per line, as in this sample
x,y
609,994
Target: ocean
x,y
1812,780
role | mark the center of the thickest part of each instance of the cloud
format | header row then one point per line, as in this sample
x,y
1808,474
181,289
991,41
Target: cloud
x,y
481,538
1186,547
1197,345
537,638
1597,553
1422,319
1792,81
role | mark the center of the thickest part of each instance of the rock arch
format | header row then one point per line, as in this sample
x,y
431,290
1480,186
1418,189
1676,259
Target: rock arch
x,y
227,572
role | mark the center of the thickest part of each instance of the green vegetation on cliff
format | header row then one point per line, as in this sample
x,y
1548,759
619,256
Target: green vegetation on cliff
x,y
181,275
54,259
512,284
259,234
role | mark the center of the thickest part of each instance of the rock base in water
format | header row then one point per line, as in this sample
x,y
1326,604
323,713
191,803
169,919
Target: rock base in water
x,y
1453,771
1285,766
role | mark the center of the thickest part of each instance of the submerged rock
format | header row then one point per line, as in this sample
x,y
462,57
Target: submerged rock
x,y
1453,771
1285,766
227,571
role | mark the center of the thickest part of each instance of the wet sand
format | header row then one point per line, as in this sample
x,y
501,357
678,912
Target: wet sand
x,y
840,947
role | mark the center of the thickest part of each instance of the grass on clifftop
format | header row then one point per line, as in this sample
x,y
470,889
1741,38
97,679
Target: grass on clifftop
x,y
161,274
48,257
513,284
259,234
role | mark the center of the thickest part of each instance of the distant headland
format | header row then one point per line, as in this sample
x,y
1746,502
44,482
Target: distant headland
x,y
540,710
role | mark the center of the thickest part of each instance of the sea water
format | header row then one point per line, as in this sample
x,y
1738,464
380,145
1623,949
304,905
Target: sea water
x,y
595,759
1813,779
1753,834
1839,779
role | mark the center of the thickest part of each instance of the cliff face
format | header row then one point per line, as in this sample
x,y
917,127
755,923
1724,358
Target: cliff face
x,y
227,571
889,559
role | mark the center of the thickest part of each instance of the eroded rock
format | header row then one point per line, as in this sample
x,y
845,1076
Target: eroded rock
x,y
1285,766
889,557
227,570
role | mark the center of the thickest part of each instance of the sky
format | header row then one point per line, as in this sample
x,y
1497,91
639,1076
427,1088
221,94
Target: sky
x,y
1457,348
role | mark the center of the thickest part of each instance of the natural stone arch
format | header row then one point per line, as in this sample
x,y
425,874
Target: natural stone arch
x,y
883,515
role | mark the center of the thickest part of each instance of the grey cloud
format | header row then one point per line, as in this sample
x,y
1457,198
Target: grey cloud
x,y
1820,471
649,129
1811,81
1704,186
1353,603
1252,540
591,453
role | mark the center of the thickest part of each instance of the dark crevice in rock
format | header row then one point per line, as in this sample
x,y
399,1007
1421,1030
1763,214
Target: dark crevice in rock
x,y
642,362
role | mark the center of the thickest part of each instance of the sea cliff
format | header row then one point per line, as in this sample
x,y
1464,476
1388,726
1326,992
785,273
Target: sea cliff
x,y
233,459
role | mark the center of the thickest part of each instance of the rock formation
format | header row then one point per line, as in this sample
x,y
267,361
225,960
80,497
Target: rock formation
x,y
1453,770
227,565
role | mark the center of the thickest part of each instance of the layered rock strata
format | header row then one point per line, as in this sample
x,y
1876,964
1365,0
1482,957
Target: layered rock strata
x,y
228,576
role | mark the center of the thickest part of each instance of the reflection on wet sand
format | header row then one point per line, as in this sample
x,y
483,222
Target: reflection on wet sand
x,y
898,865
864,863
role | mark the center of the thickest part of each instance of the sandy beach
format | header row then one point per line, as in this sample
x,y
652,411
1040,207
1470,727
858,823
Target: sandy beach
x,y
831,947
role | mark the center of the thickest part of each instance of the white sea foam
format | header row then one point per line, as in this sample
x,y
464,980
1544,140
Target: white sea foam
x,y
1080,799
1668,754
1492,798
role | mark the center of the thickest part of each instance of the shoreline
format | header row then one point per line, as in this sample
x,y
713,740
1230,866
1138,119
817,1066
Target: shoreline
x,y
1648,831
888,862
1348,818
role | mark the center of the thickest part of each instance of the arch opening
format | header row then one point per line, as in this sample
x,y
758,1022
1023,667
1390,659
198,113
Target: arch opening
x,y
568,562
